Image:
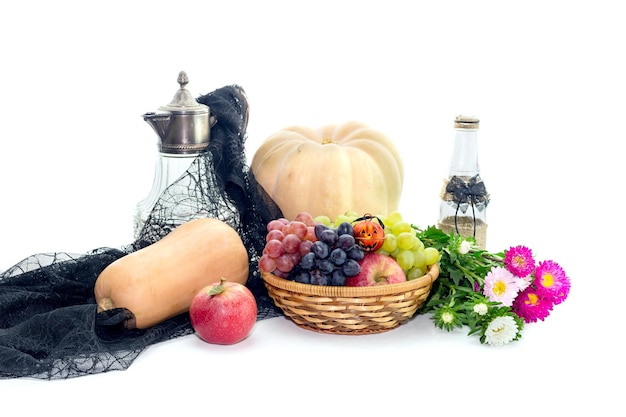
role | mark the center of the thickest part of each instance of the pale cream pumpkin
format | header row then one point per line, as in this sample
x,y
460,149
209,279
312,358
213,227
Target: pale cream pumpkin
x,y
331,170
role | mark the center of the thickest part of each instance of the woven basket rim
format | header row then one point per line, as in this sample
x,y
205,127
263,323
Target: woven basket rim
x,y
338,291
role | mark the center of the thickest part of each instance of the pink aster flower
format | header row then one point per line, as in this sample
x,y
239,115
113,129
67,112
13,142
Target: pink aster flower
x,y
525,282
501,285
551,281
530,306
519,260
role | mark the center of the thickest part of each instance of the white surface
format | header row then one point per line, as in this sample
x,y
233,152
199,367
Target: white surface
x,y
545,78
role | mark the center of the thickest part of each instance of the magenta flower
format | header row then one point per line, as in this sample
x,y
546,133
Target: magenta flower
x,y
501,285
519,260
551,282
531,307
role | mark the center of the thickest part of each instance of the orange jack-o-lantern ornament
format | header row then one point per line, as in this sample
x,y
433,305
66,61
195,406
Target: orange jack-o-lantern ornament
x,y
368,234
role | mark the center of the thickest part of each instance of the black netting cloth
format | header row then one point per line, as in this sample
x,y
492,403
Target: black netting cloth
x,y
49,324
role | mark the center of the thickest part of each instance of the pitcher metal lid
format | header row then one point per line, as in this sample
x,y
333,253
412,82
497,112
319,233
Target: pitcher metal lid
x,y
183,102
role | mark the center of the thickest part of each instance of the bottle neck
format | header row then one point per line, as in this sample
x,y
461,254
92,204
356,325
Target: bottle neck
x,y
464,162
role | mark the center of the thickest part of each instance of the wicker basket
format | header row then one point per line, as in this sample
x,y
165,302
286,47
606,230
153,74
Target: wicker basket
x,y
350,310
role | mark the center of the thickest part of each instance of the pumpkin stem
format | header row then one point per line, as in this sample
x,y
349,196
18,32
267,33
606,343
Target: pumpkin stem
x,y
219,288
326,141
105,304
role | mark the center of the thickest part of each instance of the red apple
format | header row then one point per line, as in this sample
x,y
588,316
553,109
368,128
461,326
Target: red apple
x,y
223,312
377,269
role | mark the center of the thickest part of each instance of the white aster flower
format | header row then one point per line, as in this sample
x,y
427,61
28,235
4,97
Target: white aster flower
x,y
464,247
501,330
480,309
447,317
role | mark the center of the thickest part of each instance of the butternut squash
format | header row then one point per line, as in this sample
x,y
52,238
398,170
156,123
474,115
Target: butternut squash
x,y
159,281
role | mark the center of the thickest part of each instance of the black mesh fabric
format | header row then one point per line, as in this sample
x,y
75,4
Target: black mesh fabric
x,y
49,324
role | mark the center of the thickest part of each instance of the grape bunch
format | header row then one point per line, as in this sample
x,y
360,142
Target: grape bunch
x,y
334,256
322,251
286,242
402,244
311,252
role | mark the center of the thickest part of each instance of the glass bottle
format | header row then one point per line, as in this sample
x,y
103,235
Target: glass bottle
x,y
183,129
464,197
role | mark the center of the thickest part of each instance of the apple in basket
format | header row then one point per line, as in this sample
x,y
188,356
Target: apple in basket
x,y
223,312
377,269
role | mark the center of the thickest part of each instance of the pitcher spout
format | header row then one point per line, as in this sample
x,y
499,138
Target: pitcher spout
x,y
159,122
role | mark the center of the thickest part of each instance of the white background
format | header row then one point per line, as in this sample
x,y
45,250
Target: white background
x,y
545,78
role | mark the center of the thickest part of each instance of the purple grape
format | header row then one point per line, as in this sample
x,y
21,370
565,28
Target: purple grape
x,y
320,249
345,228
329,236
319,278
325,266
319,228
345,241
338,256
355,252
308,260
351,268
338,278
302,276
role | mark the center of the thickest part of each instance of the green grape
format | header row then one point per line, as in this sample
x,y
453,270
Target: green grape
x,y
391,243
419,259
414,273
406,240
431,255
393,218
419,245
401,226
351,215
405,258
342,218
325,220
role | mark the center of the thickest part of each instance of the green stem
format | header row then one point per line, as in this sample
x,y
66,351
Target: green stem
x,y
219,288
466,271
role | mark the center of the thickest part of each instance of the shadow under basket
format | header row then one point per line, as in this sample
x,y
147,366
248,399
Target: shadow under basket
x,y
350,310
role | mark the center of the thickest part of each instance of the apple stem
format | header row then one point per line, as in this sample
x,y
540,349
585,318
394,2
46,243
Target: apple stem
x,y
219,288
